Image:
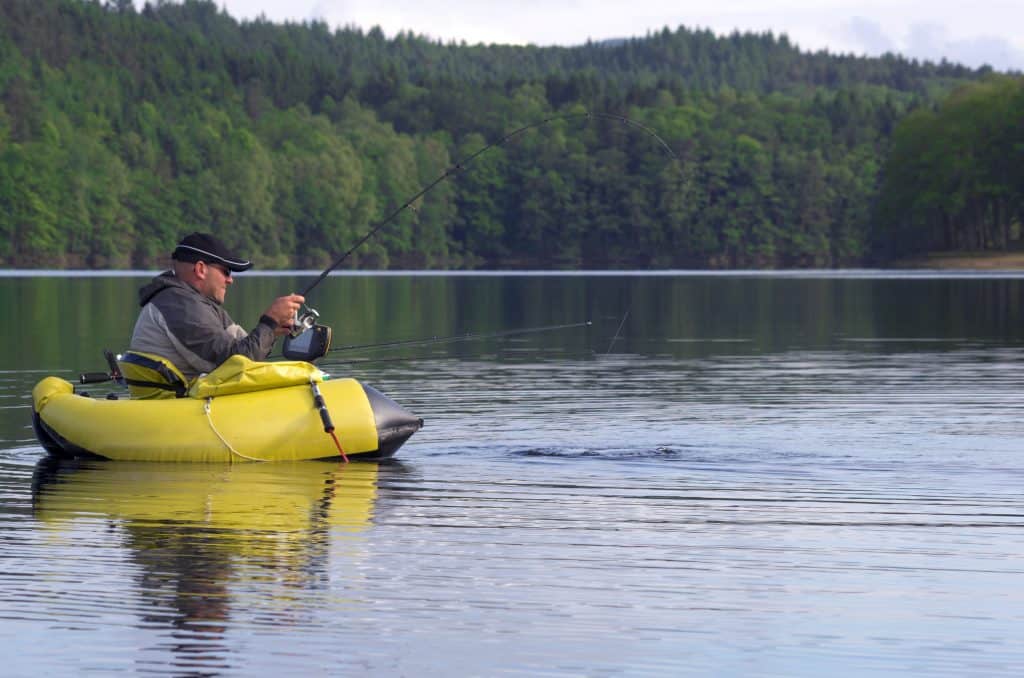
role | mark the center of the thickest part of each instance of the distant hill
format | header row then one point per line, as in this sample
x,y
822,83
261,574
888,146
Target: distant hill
x,y
121,129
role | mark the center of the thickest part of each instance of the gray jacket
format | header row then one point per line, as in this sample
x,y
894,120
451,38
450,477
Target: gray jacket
x,y
192,331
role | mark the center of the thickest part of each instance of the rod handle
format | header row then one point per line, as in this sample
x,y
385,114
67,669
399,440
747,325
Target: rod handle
x,y
93,377
325,417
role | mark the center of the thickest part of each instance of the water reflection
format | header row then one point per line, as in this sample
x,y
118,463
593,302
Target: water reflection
x,y
771,476
677,315
197,536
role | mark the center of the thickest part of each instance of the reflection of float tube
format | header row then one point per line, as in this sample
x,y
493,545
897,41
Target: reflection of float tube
x,y
280,498
192,530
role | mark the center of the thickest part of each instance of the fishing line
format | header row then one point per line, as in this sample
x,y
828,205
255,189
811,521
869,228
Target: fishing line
x,y
468,336
463,165
616,337
360,362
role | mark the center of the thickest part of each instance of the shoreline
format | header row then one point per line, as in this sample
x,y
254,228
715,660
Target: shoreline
x,y
962,261
965,262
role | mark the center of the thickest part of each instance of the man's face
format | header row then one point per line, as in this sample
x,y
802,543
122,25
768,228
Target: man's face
x,y
214,280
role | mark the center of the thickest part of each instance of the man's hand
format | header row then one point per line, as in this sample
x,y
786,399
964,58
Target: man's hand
x,y
283,311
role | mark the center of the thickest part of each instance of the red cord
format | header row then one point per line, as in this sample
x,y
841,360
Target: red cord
x,y
343,455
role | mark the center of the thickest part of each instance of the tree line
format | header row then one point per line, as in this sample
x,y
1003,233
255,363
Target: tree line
x,y
954,179
123,128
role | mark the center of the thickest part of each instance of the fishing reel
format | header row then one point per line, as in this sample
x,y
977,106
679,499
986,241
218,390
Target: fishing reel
x,y
307,340
305,321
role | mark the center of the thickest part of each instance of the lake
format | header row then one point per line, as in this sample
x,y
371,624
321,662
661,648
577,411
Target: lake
x,y
724,474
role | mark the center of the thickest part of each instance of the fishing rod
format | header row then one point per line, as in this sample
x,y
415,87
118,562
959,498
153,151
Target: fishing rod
x,y
316,348
451,339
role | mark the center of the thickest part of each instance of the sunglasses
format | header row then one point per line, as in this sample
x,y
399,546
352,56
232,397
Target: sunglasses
x,y
220,267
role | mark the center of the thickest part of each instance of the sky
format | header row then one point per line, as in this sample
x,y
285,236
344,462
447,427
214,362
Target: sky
x,y
971,32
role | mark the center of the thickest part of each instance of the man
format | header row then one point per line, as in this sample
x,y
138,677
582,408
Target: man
x,y
182,317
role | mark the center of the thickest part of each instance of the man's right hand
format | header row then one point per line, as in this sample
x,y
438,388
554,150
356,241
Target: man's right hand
x,y
283,311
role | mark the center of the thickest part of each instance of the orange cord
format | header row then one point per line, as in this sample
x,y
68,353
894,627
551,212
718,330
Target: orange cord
x,y
343,455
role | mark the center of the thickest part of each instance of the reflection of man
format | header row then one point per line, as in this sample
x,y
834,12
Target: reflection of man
x,y
183,581
182,317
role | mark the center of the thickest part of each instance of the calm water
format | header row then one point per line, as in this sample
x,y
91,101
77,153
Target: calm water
x,y
793,475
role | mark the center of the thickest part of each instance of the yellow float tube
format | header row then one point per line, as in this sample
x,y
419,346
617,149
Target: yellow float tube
x,y
242,411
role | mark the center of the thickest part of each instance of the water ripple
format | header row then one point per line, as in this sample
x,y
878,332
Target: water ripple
x,y
782,514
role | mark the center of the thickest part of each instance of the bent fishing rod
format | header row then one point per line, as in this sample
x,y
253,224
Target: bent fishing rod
x,y
463,165
316,338
317,343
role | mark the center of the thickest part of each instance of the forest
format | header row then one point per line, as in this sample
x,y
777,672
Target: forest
x,y
954,176
123,128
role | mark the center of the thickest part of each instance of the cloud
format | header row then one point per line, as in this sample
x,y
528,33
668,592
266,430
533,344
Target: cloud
x,y
868,35
975,33
932,41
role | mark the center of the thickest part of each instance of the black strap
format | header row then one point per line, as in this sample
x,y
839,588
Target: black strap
x,y
174,383
178,391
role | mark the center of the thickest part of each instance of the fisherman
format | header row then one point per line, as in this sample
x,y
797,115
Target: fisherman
x,y
183,319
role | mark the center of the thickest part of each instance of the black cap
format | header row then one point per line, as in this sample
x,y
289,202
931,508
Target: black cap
x,y
205,247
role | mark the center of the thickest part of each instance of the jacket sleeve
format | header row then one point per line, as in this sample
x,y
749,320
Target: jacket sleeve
x,y
207,331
